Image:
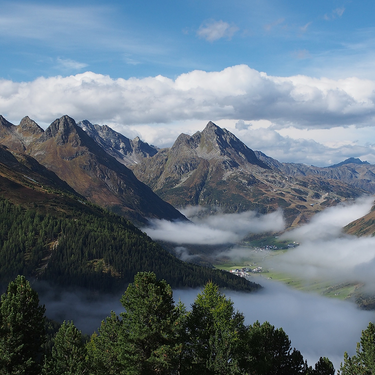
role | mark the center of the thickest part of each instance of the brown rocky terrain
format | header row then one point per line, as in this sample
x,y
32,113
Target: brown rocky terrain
x,y
75,158
213,168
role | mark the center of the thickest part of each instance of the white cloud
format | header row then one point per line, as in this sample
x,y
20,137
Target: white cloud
x,y
235,92
325,253
216,229
70,64
159,108
214,30
270,26
304,28
338,12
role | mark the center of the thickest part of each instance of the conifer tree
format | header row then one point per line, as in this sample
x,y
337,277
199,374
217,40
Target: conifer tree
x,y
68,353
22,329
104,348
269,351
148,338
216,332
363,362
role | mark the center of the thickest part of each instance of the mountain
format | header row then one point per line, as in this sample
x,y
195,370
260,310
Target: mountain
x,y
353,172
76,158
57,236
125,150
213,168
364,226
349,161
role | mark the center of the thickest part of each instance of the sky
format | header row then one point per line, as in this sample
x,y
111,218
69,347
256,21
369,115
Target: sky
x,y
295,80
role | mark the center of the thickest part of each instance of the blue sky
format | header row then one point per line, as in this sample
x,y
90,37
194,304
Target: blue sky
x,y
294,79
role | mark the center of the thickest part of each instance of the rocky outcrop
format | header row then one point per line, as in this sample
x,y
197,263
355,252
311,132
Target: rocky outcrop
x,y
126,151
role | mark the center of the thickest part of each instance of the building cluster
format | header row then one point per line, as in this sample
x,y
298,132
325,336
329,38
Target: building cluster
x,y
244,272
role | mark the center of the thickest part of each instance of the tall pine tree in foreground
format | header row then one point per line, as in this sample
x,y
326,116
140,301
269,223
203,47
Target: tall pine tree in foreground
x,y
363,363
68,353
22,329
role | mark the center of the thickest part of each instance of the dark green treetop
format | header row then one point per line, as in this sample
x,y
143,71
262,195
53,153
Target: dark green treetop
x,y
22,329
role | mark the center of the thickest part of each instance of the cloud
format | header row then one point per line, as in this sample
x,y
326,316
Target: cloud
x,y
304,28
237,92
329,223
216,229
215,30
325,253
270,26
338,12
301,54
317,326
302,148
70,64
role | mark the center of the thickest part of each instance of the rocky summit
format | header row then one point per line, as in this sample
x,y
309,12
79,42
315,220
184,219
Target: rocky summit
x,y
68,151
213,168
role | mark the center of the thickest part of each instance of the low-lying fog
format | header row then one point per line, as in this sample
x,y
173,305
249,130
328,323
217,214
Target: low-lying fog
x,y
317,326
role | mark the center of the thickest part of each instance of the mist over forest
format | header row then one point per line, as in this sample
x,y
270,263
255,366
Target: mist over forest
x,y
317,326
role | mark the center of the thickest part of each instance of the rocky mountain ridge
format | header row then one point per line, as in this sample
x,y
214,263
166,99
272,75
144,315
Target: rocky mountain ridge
x,y
123,149
213,168
75,158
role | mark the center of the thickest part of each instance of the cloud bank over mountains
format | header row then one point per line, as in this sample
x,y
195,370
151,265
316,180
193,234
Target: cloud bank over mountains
x,y
326,253
216,229
237,92
297,118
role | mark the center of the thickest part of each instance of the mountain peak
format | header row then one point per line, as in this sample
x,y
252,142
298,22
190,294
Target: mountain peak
x,y
29,126
5,122
62,129
349,161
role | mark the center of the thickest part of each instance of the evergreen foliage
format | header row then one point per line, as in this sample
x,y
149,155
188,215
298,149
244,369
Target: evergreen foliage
x,y
22,329
155,336
93,249
216,333
68,352
363,362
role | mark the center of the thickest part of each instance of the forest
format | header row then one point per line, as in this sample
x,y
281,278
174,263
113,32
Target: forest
x,y
91,248
156,336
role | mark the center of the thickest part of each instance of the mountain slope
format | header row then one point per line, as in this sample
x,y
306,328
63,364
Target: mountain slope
x,y
213,168
56,236
76,158
365,226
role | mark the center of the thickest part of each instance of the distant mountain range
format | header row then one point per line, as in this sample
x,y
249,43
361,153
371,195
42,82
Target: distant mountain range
x,y
52,233
211,168
58,170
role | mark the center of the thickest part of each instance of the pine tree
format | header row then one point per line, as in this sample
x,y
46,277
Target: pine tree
x,y
269,352
216,332
103,348
22,329
363,363
68,353
148,339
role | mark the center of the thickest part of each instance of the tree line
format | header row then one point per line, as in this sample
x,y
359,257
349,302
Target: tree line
x,y
156,336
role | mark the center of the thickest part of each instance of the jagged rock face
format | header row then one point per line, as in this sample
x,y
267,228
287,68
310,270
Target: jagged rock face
x,y
213,168
19,137
76,158
126,151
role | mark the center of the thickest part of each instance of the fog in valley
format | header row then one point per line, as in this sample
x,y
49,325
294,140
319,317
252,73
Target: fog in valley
x,y
317,326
